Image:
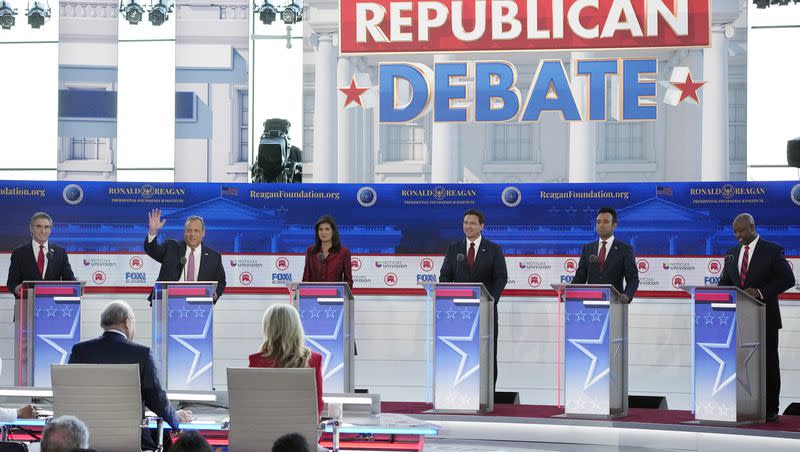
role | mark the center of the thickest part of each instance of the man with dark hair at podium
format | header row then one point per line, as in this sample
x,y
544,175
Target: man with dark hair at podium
x,y
608,260
759,268
116,346
38,259
475,259
187,260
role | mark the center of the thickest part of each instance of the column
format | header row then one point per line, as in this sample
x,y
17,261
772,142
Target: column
x,y
445,152
346,124
582,134
714,99
325,116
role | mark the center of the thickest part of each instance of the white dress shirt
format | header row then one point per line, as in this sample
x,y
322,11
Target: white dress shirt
x,y
198,252
8,414
752,246
45,250
609,241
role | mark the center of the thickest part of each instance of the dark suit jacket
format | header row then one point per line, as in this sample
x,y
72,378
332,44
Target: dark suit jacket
x,y
768,272
23,266
489,268
169,254
620,264
113,348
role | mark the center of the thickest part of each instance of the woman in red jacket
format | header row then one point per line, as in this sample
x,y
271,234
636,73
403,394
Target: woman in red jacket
x,y
327,260
284,345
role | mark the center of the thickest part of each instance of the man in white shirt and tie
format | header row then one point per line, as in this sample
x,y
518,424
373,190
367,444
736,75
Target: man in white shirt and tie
x,y
608,260
187,260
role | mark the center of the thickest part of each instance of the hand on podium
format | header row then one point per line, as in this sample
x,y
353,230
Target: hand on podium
x,y
624,298
184,416
28,412
755,293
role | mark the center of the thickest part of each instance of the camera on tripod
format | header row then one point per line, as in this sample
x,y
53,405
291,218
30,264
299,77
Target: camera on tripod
x,y
277,160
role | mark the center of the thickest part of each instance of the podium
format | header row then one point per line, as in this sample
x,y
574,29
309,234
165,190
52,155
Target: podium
x,y
183,334
728,359
462,316
595,351
326,311
48,324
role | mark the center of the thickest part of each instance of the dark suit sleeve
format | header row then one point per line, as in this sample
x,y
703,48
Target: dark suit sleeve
x,y
75,356
782,276
154,396
220,276
155,250
66,269
347,269
14,272
447,272
630,272
500,277
582,273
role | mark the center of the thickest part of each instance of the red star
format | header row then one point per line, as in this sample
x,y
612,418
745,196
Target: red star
x,y
688,88
353,93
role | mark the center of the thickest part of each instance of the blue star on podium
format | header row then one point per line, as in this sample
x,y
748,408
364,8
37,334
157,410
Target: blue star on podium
x,y
461,375
51,339
591,376
183,339
707,347
314,339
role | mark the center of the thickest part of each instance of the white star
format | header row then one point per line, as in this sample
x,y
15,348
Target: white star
x,y
580,316
460,374
183,311
596,316
302,313
707,346
199,312
71,335
171,313
51,311
330,313
438,313
66,312
451,314
723,409
578,344
723,319
181,339
709,319
315,313
465,314
567,316
313,340
596,404
38,310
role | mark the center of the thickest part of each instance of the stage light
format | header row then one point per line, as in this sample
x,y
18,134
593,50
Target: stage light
x,y
292,13
7,14
133,12
267,12
159,13
37,14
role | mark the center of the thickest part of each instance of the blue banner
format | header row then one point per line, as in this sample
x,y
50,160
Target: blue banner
x,y
57,327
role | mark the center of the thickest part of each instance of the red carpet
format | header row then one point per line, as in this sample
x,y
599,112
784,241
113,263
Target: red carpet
x,y
635,415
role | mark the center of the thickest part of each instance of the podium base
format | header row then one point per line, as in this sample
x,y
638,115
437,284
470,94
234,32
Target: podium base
x,y
594,417
723,423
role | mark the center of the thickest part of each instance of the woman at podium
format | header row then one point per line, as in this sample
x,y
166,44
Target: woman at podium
x,y
284,345
327,260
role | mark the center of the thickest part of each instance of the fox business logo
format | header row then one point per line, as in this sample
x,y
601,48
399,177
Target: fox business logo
x,y
136,263
426,278
135,278
281,278
281,263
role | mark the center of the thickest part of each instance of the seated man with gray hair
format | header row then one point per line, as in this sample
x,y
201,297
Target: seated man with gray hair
x,y
115,346
65,434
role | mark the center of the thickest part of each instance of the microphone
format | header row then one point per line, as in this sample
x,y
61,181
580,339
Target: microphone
x,y
592,260
728,259
183,267
459,259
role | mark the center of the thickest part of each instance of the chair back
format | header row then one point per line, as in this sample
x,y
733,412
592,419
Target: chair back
x,y
13,446
106,397
267,403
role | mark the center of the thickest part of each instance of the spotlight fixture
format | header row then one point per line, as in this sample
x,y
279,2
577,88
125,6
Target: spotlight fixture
x,y
133,11
267,12
292,13
37,14
7,14
159,13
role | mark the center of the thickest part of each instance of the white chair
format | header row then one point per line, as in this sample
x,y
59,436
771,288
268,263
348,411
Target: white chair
x,y
107,398
267,403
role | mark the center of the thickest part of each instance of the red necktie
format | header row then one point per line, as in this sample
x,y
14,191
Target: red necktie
x,y
40,260
471,256
601,257
745,263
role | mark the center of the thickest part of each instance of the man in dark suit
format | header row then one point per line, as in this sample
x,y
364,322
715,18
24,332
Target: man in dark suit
x,y
115,346
187,260
476,259
759,268
38,259
608,260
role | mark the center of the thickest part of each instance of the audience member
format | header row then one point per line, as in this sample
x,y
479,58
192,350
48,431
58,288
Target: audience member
x,y
11,415
65,434
190,441
291,442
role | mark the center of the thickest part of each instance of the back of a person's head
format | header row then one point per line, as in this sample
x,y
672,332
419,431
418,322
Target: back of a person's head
x,y
190,441
284,340
291,442
65,434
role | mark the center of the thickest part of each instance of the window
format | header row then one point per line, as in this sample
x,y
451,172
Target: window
x,y
87,148
513,143
403,142
244,112
624,141
737,120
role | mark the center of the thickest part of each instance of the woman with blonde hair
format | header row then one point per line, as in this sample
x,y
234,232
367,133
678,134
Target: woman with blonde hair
x,y
284,345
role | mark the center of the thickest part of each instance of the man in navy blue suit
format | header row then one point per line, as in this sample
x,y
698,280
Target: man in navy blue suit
x,y
187,260
759,268
38,259
476,259
608,260
115,346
